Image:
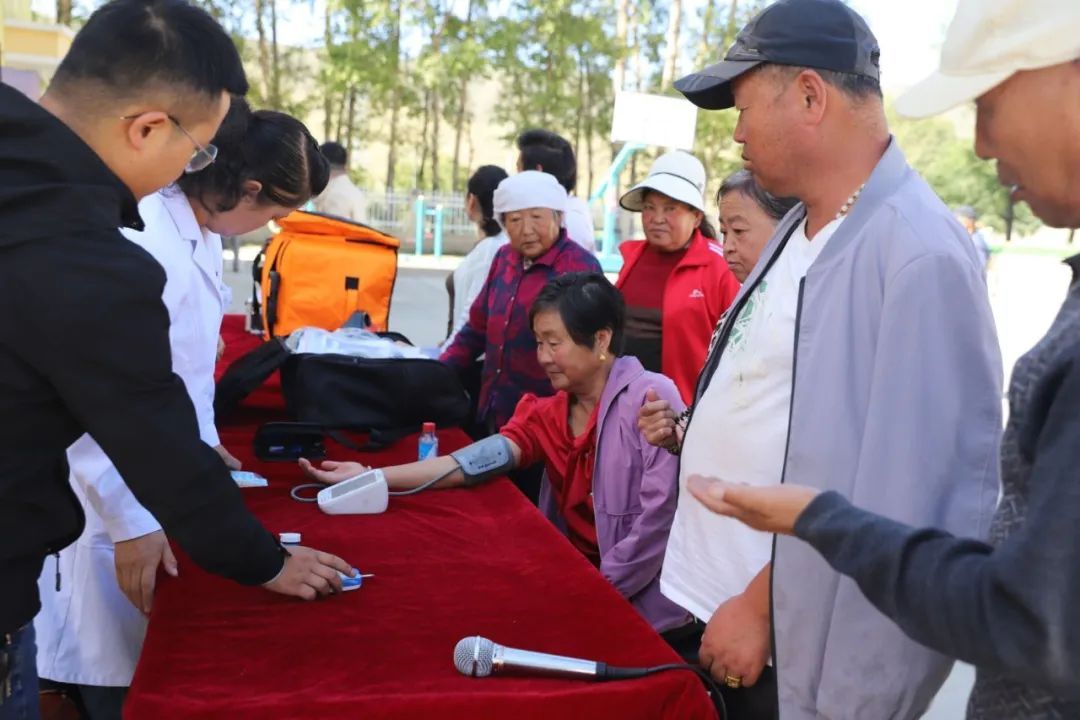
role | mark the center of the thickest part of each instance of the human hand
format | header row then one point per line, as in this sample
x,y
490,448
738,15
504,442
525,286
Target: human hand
x,y
656,420
309,573
736,643
230,462
137,561
330,471
773,509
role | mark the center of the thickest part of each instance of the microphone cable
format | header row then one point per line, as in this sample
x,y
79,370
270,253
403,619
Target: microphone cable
x,y
618,673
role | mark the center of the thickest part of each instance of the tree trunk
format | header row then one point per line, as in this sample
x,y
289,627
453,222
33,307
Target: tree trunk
x,y
339,136
459,127
549,73
459,121
732,29
636,52
435,112
589,126
395,98
352,124
264,49
328,95
705,50
583,106
443,19
275,66
63,12
671,50
622,21
472,146
424,144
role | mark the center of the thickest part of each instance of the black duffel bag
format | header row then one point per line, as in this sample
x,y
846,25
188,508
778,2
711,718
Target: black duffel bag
x,y
388,398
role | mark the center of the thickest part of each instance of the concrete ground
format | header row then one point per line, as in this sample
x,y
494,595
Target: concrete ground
x,y
1025,293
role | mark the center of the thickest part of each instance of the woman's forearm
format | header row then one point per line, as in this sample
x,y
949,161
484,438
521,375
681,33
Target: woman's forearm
x,y
412,475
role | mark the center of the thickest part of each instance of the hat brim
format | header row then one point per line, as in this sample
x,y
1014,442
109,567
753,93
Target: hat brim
x,y
710,88
634,198
941,92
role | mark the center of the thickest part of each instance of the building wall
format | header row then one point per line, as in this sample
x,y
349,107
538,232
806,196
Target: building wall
x,y
30,46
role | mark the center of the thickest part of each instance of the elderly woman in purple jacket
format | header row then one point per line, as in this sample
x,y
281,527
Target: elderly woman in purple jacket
x,y
610,491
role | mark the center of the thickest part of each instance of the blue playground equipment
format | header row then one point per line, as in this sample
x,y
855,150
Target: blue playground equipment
x,y
610,259
423,212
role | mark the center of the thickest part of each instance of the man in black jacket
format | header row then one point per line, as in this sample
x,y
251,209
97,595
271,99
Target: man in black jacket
x,y
84,343
1010,607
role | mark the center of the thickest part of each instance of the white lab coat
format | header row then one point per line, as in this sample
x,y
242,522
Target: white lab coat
x,y
88,632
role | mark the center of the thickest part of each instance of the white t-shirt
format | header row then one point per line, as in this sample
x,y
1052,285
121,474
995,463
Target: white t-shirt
x,y
739,434
343,199
470,277
579,224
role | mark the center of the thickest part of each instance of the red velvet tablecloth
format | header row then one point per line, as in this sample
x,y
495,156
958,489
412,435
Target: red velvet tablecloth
x,y
447,564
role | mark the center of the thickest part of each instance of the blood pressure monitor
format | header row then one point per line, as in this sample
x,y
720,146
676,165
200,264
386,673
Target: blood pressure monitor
x,y
365,494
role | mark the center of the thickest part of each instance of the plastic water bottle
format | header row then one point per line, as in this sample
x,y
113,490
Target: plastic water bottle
x,y
429,442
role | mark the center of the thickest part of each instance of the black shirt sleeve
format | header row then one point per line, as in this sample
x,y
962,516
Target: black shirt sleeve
x,y
100,335
1011,608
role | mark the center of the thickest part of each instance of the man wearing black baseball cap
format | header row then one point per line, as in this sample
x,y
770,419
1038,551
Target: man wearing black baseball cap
x,y
819,34
891,396
1008,606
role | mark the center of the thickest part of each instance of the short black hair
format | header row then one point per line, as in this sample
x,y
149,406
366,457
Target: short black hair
x,y
743,181
482,186
130,47
587,303
335,153
552,152
270,147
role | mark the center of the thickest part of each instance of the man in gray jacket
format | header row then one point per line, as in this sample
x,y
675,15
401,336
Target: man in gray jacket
x,y
892,394
1011,606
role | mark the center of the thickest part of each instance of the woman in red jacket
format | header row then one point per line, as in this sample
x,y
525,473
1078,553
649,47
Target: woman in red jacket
x,y
675,282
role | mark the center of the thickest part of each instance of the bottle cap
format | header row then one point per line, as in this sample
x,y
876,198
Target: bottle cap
x,y
429,427
289,538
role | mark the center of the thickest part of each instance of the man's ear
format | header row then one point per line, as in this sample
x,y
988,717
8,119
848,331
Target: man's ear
x,y
147,125
813,93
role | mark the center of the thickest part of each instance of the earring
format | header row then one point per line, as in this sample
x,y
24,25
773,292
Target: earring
x,y
603,357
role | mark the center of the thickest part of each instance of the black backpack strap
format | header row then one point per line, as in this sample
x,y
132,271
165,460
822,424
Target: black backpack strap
x,y
256,322
247,373
272,301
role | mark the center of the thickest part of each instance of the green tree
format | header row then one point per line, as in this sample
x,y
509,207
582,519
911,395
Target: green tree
x,y
959,177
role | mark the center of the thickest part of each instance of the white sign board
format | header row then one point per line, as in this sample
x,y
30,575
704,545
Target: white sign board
x,y
669,122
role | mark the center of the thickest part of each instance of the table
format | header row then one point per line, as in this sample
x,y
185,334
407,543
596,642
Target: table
x,y
447,564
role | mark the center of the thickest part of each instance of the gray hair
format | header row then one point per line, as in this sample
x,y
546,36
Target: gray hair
x,y
853,85
742,181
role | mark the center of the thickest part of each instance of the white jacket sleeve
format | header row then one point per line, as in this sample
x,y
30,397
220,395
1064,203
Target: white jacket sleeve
x,y
203,397
123,516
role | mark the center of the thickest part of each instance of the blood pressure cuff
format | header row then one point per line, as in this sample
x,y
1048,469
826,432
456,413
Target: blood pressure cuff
x,y
485,459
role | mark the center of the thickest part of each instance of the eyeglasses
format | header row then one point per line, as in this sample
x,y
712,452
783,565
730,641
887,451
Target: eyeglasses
x,y
203,155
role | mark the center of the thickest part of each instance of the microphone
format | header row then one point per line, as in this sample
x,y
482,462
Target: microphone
x,y
479,657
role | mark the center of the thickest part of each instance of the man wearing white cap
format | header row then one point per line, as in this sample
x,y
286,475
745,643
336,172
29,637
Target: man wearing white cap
x,y
1011,607
860,356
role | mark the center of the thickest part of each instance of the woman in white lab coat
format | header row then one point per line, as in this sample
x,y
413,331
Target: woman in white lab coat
x,y
96,593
